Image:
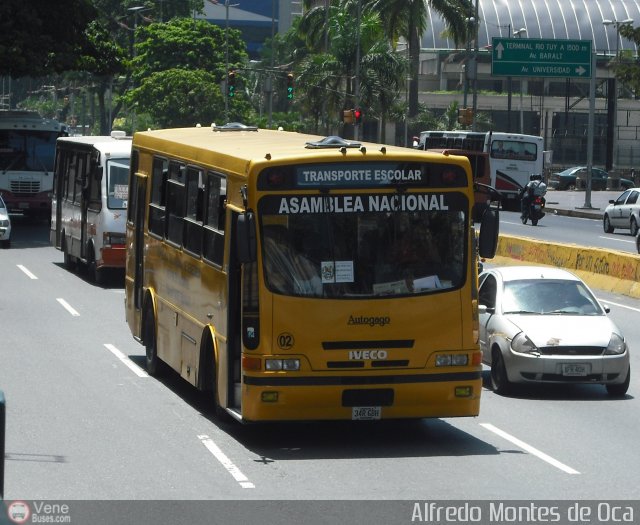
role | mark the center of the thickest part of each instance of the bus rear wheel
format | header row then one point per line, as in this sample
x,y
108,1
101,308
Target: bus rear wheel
x,y
97,275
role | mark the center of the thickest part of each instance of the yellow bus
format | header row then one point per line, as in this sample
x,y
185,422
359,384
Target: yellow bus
x,y
301,278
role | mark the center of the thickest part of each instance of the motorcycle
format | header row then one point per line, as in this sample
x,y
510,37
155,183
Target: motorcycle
x,y
535,210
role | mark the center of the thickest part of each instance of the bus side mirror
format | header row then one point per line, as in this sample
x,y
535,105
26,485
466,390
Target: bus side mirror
x,y
489,229
246,238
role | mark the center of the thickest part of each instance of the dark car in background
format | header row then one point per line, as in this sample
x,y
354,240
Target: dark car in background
x,y
567,179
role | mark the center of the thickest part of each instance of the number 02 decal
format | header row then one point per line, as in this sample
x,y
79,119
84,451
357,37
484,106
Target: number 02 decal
x,y
285,341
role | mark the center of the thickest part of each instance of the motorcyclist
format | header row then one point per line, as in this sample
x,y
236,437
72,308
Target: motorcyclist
x,y
534,188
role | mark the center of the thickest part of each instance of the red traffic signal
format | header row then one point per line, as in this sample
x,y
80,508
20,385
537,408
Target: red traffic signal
x,y
357,115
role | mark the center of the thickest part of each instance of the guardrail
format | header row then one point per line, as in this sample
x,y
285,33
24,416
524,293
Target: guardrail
x,y
607,270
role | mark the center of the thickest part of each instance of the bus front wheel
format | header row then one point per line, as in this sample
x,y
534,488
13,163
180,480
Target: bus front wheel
x,y
150,344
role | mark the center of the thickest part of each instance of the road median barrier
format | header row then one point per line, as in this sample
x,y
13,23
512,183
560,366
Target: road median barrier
x,y
607,270
2,442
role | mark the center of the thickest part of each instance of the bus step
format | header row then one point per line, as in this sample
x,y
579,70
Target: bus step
x,y
237,395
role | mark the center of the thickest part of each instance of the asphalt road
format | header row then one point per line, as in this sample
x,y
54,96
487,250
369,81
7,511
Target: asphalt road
x,y
85,422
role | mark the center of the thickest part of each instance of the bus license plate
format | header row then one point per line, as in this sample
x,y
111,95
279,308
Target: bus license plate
x,y
366,413
575,370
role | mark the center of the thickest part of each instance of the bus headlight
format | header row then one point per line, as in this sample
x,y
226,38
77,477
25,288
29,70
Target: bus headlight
x,y
452,360
282,364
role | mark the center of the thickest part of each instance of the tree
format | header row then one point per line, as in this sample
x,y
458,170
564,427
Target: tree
x,y
328,73
178,69
37,38
408,19
628,71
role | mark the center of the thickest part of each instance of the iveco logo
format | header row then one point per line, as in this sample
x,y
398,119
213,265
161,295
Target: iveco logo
x,y
367,354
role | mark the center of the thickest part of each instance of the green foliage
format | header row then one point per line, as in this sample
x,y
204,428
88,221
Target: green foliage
x,y
178,70
37,38
628,70
185,43
179,97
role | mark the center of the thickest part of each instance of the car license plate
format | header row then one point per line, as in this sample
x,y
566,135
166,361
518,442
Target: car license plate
x,y
23,205
366,413
537,207
575,370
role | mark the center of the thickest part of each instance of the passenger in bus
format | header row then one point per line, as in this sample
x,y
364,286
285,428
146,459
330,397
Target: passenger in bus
x,y
286,270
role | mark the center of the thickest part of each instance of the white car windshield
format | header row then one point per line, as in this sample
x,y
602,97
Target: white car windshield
x,y
551,297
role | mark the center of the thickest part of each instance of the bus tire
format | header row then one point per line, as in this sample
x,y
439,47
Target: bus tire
x,y
69,260
150,344
209,384
97,275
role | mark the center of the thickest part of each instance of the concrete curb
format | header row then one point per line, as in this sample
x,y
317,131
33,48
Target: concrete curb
x,y
611,271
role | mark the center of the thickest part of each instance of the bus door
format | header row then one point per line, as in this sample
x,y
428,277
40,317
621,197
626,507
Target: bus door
x,y
62,165
139,192
235,277
85,173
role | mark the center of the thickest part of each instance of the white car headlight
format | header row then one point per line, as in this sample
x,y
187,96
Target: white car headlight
x,y
523,345
616,345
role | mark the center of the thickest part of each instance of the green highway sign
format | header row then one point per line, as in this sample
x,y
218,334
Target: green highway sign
x,y
536,57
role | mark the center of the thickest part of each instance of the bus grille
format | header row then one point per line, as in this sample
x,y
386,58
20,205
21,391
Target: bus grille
x,y
25,187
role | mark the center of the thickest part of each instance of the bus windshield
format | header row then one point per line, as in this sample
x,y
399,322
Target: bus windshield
x,y
27,150
364,253
117,183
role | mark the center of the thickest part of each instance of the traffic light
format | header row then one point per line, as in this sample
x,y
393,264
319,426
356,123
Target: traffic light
x,y
347,116
231,83
465,116
290,86
357,115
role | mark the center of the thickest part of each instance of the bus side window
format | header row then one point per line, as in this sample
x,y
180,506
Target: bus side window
x,y
157,210
176,202
95,181
213,242
193,216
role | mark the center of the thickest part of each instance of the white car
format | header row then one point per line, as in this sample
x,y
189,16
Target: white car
x,y
623,213
544,325
5,225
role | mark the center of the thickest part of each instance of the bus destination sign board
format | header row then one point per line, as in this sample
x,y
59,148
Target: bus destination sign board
x,y
536,57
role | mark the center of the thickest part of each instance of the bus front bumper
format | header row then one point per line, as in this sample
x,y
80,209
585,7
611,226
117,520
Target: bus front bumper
x,y
406,397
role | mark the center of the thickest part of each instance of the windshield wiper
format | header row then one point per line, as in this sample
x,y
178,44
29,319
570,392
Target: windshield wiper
x,y
521,312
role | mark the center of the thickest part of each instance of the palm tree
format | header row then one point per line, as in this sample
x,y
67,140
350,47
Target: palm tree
x,y
328,72
408,19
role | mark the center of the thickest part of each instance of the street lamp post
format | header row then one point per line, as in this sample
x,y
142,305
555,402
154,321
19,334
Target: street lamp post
x,y
519,33
613,119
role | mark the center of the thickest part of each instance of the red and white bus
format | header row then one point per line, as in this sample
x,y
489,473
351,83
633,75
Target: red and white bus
x,y
27,152
513,157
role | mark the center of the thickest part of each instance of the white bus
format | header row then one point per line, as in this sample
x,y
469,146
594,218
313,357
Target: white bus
x,y
513,157
90,201
27,149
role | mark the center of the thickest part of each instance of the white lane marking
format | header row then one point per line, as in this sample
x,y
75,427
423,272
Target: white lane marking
x,y
126,361
68,307
226,462
529,449
618,304
617,239
26,271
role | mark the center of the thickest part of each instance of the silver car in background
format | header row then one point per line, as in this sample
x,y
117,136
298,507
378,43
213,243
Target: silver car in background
x,y
544,325
5,225
623,212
